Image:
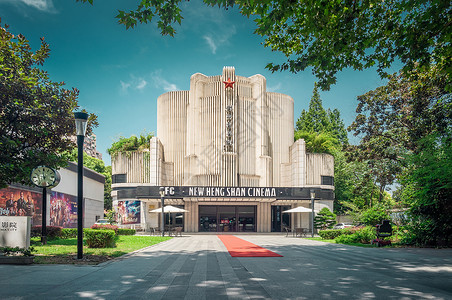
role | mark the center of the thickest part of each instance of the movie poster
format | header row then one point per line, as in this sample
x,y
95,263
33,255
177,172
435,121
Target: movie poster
x,y
63,210
129,212
19,202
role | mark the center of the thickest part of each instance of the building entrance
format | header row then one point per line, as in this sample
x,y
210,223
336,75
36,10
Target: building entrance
x,y
227,218
280,220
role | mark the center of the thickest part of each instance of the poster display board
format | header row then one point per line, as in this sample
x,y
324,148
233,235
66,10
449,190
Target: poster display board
x,y
63,210
129,212
19,202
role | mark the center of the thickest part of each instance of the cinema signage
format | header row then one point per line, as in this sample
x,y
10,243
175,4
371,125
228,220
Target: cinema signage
x,y
178,192
202,191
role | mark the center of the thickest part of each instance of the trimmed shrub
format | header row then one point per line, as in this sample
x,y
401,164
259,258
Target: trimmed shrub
x,y
126,231
100,238
325,219
68,233
52,231
363,236
105,227
334,233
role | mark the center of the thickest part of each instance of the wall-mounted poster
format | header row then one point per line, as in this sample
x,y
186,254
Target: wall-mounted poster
x,y
63,210
129,212
19,202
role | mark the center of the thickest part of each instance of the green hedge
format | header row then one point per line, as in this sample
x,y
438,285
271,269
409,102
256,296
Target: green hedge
x,y
126,231
105,227
100,238
52,231
334,233
363,236
68,233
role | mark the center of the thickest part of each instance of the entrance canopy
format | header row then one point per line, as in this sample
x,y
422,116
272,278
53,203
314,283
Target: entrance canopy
x,y
270,193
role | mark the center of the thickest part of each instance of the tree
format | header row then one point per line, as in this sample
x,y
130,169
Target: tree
x,y
318,143
325,219
132,143
393,118
96,165
318,120
36,114
329,36
427,190
408,123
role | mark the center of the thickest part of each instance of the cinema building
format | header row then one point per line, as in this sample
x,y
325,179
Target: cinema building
x,y
225,152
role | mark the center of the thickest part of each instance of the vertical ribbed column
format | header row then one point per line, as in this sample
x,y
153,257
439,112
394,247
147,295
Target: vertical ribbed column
x,y
172,130
281,131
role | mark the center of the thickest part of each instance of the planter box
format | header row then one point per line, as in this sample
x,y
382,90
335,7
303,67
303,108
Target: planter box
x,y
16,260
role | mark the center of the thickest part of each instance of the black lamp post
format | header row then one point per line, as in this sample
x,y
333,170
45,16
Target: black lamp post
x,y
162,221
80,124
312,213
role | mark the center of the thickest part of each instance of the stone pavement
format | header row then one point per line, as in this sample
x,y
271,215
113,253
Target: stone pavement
x,y
199,267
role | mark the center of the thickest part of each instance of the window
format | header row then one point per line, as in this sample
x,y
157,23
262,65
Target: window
x,y
327,180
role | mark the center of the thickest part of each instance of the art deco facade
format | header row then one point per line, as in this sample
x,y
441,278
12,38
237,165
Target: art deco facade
x,y
226,131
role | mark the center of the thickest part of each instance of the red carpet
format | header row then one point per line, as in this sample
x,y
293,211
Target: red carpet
x,y
241,248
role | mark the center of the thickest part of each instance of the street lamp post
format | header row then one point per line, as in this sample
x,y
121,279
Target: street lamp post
x,y
162,221
312,213
81,119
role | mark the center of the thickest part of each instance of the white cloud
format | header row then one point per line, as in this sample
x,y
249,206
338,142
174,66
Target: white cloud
x,y
124,86
162,83
42,5
135,83
274,88
220,38
211,43
141,84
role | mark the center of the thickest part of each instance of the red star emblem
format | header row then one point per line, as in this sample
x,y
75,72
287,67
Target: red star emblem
x,y
229,83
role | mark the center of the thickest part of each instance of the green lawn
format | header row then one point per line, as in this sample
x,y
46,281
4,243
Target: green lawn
x,y
320,239
350,244
59,248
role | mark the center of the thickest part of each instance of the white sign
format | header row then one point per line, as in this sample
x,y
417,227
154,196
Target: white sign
x,y
15,231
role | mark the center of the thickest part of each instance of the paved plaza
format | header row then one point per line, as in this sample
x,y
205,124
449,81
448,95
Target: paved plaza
x,y
199,267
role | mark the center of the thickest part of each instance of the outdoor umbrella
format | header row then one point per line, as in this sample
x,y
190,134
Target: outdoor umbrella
x,y
299,209
169,209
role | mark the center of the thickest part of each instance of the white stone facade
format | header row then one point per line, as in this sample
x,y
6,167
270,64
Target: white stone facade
x,y
219,134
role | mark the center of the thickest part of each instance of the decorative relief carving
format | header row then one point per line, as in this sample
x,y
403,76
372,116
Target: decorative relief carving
x,y
228,145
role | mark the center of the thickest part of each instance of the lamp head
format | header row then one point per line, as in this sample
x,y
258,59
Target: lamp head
x,y
312,194
81,119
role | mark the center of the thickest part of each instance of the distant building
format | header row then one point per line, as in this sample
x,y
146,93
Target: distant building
x,y
225,152
89,146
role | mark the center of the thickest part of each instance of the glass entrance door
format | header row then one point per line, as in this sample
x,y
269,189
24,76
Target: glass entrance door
x,y
231,218
227,217
207,218
279,219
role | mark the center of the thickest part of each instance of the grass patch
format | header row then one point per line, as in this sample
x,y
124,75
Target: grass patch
x,y
64,250
320,239
349,244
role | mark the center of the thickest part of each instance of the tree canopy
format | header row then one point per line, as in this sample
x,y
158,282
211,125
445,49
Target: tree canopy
x,y
329,36
405,129
318,120
36,114
132,143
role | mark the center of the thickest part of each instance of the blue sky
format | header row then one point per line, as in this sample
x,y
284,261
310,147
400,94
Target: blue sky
x,y
120,73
